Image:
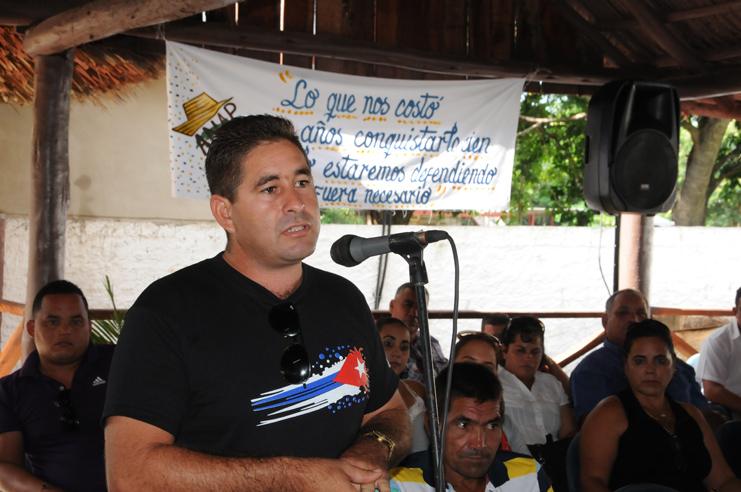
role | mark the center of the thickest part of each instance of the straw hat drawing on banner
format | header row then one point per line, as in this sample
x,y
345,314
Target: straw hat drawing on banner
x,y
199,111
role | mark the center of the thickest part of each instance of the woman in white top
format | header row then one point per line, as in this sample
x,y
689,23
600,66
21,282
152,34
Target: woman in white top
x,y
396,336
535,400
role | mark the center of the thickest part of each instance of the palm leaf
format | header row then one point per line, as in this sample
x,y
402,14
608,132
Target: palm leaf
x,y
106,331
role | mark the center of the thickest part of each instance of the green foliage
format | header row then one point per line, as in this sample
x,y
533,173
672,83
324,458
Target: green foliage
x,y
548,162
107,330
724,204
341,216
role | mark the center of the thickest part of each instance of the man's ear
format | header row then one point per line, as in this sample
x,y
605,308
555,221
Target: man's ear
x,y
221,208
31,328
391,305
604,321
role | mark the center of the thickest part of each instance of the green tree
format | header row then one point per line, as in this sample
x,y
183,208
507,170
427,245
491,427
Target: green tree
x,y
549,166
548,160
710,190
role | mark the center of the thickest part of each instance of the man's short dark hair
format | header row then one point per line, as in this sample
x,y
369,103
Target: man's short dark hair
x,y
611,299
495,319
57,287
738,298
234,140
648,328
470,380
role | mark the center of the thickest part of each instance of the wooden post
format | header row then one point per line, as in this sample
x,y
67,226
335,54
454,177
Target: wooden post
x,y
636,245
2,266
49,176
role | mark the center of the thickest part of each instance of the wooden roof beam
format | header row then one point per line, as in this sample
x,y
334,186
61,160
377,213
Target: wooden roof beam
x,y
103,18
593,35
655,28
679,16
339,48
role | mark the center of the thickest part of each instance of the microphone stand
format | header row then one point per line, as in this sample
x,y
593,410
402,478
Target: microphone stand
x,y
418,277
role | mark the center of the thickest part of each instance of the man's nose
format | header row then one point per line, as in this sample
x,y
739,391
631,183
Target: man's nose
x,y
478,438
294,202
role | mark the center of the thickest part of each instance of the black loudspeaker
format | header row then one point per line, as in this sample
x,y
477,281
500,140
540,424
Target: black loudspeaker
x,y
630,160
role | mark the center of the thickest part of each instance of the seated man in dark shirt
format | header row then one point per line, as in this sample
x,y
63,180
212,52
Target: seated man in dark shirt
x,y
50,409
600,374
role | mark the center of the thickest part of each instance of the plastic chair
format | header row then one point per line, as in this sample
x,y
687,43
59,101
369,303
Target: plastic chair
x,y
645,487
572,464
729,440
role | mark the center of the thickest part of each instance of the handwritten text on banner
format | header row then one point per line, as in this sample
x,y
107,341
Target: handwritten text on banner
x,y
372,143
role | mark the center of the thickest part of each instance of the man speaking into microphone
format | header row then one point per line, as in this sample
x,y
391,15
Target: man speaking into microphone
x,y
252,370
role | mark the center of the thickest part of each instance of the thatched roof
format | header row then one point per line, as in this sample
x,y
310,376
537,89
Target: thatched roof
x,y
100,72
562,46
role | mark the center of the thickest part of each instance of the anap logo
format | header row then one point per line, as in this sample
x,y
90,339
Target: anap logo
x,y
199,111
342,383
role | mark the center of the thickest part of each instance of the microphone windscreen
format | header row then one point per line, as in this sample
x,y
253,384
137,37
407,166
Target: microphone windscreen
x,y
340,251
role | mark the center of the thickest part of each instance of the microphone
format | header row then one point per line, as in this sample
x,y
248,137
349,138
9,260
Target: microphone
x,y
350,250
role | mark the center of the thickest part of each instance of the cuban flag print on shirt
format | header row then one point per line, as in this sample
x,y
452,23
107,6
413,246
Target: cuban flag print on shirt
x,y
338,381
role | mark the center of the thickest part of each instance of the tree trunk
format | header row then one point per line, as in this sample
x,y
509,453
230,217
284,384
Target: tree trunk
x,y
692,201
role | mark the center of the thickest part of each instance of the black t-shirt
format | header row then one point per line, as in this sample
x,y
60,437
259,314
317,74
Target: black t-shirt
x,y
198,359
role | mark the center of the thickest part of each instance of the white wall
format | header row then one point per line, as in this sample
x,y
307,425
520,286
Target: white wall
x,y
118,157
502,268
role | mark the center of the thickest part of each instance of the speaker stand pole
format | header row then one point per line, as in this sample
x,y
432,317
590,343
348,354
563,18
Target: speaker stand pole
x,y
635,253
616,260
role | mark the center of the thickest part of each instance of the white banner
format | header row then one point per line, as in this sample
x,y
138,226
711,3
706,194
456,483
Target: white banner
x,y
372,143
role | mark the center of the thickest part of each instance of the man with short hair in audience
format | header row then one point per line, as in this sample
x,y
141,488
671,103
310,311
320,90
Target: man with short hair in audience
x,y
404,307
471,459
494,324
719,368
601,373
50,409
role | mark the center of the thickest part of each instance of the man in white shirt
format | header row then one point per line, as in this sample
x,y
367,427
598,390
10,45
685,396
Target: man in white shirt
x,y
718,368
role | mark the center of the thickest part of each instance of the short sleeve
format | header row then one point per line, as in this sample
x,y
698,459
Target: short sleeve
x,y
147,381
8,419
712,363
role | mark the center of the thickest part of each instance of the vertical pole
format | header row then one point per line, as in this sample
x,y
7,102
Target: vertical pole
x,y
616,259
2,268
49,176
636,245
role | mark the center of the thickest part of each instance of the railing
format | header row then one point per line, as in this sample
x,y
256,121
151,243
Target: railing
x,y
11,353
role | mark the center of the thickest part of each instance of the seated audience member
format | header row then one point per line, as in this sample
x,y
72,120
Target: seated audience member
x,y
495,324
642,435
471,458
536,401
719,369
50,409
395,336
600,374
404,307
482,348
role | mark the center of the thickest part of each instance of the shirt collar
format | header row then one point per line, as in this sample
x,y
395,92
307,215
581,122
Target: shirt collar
x,y
30,368
611,347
